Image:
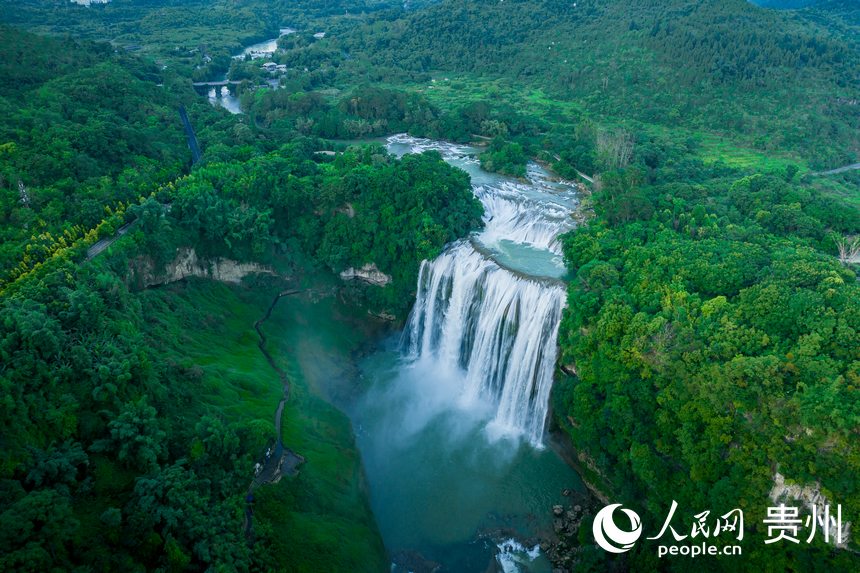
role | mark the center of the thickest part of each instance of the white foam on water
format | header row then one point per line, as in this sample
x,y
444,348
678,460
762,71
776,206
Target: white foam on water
x,y
512,554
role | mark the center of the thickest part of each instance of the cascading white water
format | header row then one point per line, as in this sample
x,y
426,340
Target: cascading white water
x,y
497,326
476,362
510,216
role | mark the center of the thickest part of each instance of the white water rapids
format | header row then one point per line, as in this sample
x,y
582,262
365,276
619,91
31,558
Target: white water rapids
x,y
488,308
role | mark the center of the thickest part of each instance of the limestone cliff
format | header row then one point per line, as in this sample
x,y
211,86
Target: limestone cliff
x,y
811,496
188,264
369,273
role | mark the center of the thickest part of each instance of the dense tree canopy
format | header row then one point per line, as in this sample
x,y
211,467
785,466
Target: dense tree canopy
x,y
718,66
714,337
117,451
710,330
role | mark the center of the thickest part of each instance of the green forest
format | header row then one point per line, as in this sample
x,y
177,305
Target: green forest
x,y
711,334
713,340
105,440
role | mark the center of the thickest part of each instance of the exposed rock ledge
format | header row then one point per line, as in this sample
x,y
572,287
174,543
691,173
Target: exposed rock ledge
x,y
810,495
187,264
369,273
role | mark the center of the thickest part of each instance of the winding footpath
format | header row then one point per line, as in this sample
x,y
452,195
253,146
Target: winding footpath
x,y
280,460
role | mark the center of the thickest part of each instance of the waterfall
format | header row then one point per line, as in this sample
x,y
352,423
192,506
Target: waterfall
x,y
490,313
498,328
510,216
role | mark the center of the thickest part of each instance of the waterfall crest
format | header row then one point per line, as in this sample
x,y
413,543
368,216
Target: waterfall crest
x,y
508,216
490,316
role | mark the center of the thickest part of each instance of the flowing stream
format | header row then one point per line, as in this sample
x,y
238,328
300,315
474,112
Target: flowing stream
x,y
222,97
452,427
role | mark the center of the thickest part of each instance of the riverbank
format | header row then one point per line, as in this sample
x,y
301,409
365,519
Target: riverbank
x,y
559,439
325,505
311,338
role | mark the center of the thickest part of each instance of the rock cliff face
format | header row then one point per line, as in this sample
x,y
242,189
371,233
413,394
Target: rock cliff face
x,y
811,496
369,273
187,264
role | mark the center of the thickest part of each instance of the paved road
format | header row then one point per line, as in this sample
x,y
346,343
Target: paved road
x,y
578,172
99,246
852,167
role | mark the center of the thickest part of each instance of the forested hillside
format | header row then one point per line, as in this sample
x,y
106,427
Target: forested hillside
x,y
714,341
122,447
710,339
758,77
83,130
195,37
843,16
786,4
86,132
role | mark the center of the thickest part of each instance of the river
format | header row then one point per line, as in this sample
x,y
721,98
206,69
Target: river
x,y
223,97
451,429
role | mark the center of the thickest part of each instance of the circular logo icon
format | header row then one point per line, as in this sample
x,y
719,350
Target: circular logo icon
x,y
609,536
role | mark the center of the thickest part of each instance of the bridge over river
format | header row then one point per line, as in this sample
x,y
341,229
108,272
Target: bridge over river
x,y
220,84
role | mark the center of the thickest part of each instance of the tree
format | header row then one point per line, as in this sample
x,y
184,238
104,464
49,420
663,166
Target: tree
x,y
58,466
614,148
135,435
849,249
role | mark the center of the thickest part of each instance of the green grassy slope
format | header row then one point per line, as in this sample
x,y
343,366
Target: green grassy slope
x,y
329,526
319,520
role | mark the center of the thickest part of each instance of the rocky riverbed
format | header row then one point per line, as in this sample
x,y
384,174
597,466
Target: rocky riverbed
x,y
563,546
